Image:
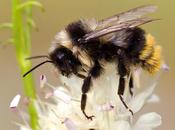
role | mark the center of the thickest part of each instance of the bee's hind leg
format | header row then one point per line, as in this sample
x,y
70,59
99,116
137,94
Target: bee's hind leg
x,y
94,72
131,85
123,72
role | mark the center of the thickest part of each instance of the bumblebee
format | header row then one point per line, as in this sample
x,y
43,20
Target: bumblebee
x,y
85,46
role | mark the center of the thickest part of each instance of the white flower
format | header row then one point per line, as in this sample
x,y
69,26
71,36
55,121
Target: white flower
x,y
15,101
103,102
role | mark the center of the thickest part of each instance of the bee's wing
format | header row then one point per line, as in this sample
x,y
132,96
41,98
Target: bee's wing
x,y
115,28
131,14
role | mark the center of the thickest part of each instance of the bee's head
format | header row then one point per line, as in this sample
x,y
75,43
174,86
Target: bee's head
x,y
60,55
64,60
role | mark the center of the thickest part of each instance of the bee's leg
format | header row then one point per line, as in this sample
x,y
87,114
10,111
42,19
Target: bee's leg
x,y
80,75
131,85
94,72
123,72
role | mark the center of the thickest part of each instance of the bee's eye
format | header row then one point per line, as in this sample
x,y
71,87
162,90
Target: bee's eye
x,y
70,62
60,56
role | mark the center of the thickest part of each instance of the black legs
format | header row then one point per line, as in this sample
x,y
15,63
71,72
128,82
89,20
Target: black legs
x,y
131,85
94,72
123,73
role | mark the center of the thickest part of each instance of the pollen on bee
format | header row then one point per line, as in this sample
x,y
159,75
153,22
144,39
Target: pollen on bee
x,y
154,62
148,48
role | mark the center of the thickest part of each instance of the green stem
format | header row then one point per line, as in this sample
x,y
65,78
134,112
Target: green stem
x,y
21,35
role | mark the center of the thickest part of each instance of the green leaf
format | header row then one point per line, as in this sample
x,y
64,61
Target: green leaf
x,y
6,25
8,41
30,3
32,23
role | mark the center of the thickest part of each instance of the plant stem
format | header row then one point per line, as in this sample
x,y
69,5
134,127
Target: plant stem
x,y
21,35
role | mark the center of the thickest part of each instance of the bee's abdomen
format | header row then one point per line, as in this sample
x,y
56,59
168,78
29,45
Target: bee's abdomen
x,y
150,55
135,40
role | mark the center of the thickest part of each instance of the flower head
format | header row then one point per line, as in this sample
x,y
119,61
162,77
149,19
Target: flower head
x,y
103,102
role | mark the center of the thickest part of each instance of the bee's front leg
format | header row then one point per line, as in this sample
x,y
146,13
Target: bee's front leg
x,y
94,72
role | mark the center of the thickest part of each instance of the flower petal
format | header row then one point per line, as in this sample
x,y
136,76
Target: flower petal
x,y
69,124
139,100
48,94
15,101
153,99
165,67
148,121
120,125
74,84
62,96
24,128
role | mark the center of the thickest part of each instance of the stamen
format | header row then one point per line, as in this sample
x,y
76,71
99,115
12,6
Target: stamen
x,y
105,107
43,80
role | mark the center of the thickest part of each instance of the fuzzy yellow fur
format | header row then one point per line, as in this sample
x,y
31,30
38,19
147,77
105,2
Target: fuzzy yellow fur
x,y
154,62
151,53
148,48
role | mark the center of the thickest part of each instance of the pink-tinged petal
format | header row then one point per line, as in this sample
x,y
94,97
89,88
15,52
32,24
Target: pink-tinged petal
x,y
148,121
43,80
105,107
15,101
165,67
49,94
26,101
70,124
62,96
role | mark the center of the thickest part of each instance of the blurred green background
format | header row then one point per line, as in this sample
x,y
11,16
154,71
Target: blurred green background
x,y
61,12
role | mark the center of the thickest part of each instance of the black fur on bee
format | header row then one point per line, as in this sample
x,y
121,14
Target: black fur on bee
x,y
101,51
76,30
136,42
122,43
65,61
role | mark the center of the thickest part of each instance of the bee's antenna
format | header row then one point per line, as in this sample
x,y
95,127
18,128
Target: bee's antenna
x,y
36,57
47,61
